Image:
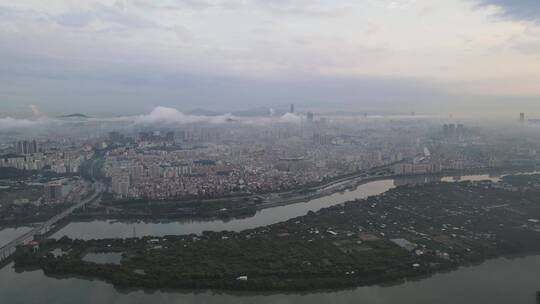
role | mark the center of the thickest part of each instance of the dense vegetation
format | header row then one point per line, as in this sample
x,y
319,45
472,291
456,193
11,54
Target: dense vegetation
x,y
406,232
170,209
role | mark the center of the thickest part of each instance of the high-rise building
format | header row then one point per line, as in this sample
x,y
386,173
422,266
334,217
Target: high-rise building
x,y
460,130
453,131
19,148
522,117
120,185
52,192
26,147
169,137
34,148
292,107
310,117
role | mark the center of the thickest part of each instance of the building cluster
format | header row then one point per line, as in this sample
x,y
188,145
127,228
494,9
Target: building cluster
x,y
206,161
52,192
64,160
25,147
453,131
408,168
214,170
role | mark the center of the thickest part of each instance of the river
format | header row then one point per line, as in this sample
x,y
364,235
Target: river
x,y
111,229
11,233
491,282
499,281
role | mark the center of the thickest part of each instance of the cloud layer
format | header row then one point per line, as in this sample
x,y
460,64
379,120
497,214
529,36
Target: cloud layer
x,y
170,116
129,56
8,123
528,10
160,116
164,115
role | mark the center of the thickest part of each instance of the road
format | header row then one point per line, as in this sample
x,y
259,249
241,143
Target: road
x,y
7,250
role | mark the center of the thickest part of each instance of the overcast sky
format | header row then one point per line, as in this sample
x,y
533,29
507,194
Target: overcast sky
x,y
130,56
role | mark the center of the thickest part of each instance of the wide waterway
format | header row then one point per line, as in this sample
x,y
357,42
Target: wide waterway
x,y
496,281
111,229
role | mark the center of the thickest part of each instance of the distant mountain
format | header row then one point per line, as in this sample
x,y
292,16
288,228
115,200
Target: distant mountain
x,y
75,115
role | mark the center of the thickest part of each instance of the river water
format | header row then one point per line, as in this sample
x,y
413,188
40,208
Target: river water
x,y
8,234
112,229
496,281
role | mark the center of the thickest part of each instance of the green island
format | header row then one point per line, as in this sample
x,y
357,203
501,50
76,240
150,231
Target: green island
x,y
407,232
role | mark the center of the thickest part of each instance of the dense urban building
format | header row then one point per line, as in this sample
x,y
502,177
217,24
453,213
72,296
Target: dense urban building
x,y
52,192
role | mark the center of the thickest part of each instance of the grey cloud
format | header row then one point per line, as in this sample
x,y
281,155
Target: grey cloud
x,y
529,47
18,14
7,11
129,90
303,8
528,10
75,18
114,15
8,123
66,84
175,5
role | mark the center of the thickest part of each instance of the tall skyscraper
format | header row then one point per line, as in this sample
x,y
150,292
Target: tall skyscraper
x,y
19,147
292,107
521,117
34,148
26,147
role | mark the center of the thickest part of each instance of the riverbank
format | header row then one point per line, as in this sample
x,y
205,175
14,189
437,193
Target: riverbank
x,y
341,246
483,283
227,208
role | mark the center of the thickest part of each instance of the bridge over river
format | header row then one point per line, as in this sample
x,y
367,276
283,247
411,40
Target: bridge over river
x,y
8,249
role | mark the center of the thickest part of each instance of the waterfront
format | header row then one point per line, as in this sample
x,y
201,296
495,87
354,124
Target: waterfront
x,y
491,282
10,233
98,229
466,285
